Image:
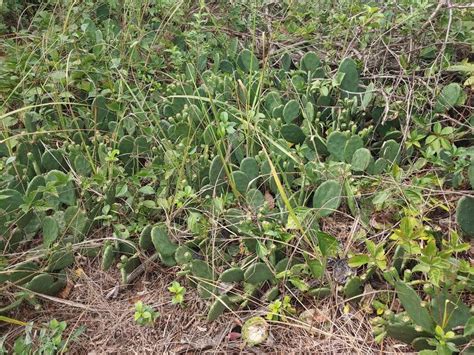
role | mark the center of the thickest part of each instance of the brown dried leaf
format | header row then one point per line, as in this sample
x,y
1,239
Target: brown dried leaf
x,y
270,200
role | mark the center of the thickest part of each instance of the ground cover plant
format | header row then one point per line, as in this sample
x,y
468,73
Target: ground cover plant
x,y
272,158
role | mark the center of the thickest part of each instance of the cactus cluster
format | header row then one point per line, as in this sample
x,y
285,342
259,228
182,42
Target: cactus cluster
x,y
216,191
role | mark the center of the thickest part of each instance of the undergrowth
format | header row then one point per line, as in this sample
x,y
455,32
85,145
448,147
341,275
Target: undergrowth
x,y
220,138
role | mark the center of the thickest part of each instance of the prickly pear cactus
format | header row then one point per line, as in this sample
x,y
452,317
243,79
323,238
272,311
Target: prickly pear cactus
x,y
336,143
163,245
234,274
327,198
465,215
218,307
293,133
361,160
258,273
350,81
291,111
247,61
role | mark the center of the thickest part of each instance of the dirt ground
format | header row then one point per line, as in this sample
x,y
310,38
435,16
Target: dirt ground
x,y
110,328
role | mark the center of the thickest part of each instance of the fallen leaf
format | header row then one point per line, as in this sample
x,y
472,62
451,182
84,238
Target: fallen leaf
x,y
233,336
66,291
270,200
79,272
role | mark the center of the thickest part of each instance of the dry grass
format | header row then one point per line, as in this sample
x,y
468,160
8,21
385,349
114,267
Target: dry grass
x,y
110,327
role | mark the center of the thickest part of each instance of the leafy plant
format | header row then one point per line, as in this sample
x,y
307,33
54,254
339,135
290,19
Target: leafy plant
x,y
178,292
238,165
49,339
145,315
279,309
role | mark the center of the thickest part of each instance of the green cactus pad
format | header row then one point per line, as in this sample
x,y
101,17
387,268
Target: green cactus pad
x,y
354,143
379,166
168,260
272,100
422,343
183,255
282,265
278,111
234,274
161,240
293,133
59,284
361,160
102,115
250,167
201,269
126,146
271,294
336,143
241,181
216,171
50,231
30,121
286,62
258,273
21,273
141,145
76,221
82,166
131,264
60,259
399,258
470,174
145,241
390,151
206,290
218,307
310,62
17,236
64,186
309,111
247,61
443,304
22,153
108,257
319,292
255,199
41,283
52,159
317,144
226,67
209,135
350,82
235,217
327,198
291,111
465,215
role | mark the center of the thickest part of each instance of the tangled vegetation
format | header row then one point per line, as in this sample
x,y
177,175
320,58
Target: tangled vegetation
x,y
221,139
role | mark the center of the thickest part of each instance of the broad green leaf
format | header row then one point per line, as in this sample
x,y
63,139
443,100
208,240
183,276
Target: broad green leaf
x,y
327,244
358,260
413,306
